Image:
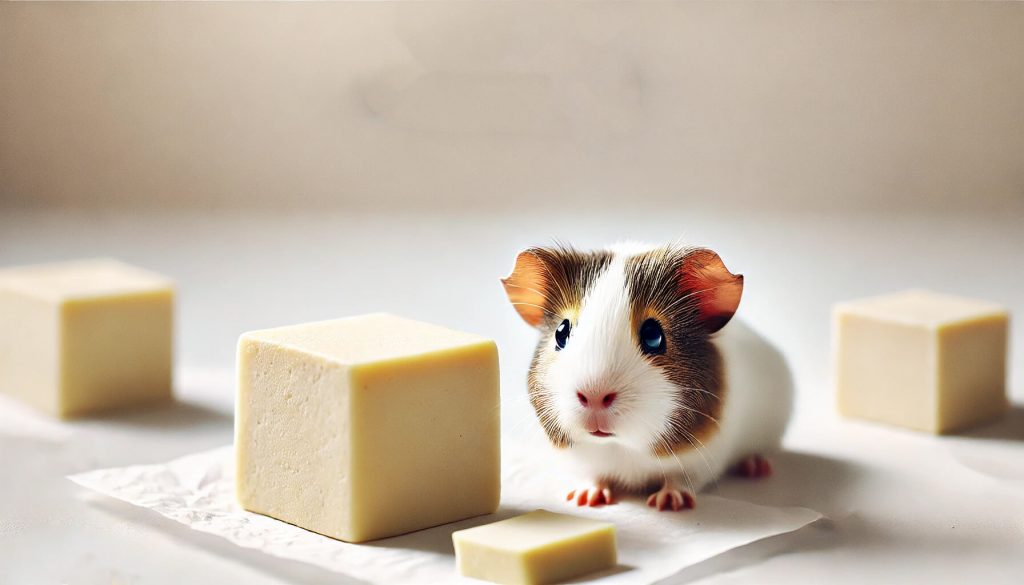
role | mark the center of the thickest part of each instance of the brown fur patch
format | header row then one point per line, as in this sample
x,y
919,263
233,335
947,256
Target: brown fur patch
x,y
691,361
566,276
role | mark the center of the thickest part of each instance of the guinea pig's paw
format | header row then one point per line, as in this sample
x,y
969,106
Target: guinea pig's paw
x,y
669,498
753,467
597,495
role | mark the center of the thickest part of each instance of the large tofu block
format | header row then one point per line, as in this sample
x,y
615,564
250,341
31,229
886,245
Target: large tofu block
x,y
535,548
82,337
367,427
921,360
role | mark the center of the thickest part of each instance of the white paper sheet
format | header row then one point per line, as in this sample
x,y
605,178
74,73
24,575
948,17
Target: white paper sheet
x,y
198,491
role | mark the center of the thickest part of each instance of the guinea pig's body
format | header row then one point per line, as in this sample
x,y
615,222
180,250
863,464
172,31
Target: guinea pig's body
x,y
756,403
641,377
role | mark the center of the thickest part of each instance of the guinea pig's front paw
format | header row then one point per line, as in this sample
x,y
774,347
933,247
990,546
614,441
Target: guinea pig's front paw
x,y
597,495
669,498
753,467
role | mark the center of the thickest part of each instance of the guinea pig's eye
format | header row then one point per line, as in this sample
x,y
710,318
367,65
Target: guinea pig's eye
x,y
652,338
562,334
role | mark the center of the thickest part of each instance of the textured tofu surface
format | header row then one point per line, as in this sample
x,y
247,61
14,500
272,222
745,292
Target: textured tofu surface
x,y
84,337
535,548
367,427
921,360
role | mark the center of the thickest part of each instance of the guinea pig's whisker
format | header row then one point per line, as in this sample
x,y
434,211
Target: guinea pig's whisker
x,y
518,425
699,446
565,297
533,290
695,411
660,441
700,449
536,306
547,416
689,296
551,423
686,297
680,427
545,412
701,390
686,476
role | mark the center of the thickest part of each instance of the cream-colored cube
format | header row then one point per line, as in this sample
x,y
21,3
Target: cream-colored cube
x,y
82,337
921,360
367,427
536,548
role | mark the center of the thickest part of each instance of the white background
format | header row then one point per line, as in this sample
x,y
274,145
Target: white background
x,y
286,163
530,107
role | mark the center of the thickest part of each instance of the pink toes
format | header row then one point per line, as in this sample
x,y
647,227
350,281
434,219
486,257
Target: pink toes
x,y
671,499
594,496
753,467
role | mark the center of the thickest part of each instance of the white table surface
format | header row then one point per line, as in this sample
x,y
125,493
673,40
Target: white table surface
x,y
902,506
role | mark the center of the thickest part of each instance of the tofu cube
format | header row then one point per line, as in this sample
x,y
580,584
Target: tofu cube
x,y
535,548
367,427
87,336
921,360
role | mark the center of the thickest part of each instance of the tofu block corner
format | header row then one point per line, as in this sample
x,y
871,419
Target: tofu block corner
x,y
367,427
86,336
921,360
535,548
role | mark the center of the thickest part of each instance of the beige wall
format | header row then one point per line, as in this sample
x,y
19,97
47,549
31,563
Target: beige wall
x,y
837,106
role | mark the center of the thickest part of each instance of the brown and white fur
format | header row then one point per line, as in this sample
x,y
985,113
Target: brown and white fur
x,y
717,396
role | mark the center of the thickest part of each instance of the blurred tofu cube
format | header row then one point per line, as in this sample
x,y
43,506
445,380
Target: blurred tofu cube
x,y
921,360
83,337
367,427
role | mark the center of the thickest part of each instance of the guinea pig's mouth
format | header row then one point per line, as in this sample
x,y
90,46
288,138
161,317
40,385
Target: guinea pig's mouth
x,y
597,424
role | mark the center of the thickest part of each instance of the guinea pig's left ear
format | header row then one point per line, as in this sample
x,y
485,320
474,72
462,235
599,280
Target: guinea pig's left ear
x,y
524,285
704,275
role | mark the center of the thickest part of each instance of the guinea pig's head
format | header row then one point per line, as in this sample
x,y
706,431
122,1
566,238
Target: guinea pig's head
x,y
625,350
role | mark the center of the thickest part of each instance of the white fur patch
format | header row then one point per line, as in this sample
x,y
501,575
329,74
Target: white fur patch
x,y
602,352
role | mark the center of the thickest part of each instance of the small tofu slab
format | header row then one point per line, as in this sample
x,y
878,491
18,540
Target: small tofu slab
x,y
535,548
87,336
921,360
367,427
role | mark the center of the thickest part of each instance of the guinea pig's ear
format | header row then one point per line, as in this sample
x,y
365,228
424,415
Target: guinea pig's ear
x,y
525,286
704,275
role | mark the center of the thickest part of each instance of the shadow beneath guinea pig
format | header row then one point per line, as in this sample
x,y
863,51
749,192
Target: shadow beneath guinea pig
x,y
820,535
798,479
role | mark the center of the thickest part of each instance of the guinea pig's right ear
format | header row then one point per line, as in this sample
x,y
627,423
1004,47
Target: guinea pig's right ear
x,y
718,291
525,286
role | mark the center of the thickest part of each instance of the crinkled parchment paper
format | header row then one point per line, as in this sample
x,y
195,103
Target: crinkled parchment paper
x,y
198,491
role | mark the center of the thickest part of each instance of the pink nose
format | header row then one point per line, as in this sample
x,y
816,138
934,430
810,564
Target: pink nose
x,y
597,400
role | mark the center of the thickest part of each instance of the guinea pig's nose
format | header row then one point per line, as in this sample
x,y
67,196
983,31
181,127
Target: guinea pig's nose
x,y
597,399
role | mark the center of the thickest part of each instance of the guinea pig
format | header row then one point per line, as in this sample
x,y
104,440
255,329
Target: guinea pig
x,y
641,374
